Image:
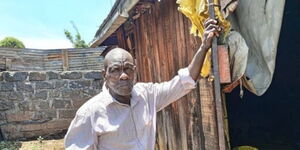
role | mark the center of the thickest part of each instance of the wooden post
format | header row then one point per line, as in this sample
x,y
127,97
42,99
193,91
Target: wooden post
x,y
217,88
121,38
65,59
7,64
224,66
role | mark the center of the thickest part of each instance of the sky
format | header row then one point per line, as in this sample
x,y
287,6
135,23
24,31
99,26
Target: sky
x,y
40,24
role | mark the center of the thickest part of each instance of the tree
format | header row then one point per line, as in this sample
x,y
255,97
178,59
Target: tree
x,y
78,42
11,42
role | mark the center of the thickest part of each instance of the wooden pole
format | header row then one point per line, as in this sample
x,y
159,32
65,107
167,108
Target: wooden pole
x,y
65,59
217,88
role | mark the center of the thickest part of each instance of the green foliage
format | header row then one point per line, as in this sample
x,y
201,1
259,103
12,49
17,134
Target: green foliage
x,y
77,42
9,145
11,42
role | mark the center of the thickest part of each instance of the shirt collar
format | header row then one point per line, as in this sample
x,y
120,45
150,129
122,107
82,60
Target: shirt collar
x,y
109,99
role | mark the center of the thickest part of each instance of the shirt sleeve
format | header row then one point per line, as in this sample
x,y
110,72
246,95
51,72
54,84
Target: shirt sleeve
x,y
167,92
80,135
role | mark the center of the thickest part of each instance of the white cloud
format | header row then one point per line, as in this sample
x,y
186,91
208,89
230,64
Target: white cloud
x,y
52,43
44,43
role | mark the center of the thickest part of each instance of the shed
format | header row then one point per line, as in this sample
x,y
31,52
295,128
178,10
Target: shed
x,y
158,37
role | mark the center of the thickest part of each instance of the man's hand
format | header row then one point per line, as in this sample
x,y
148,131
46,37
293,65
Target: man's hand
x,y
212,29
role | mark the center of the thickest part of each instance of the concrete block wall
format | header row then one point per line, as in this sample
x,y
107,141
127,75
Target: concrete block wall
x,y
43,103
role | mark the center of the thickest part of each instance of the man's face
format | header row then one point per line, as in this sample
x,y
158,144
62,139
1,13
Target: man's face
x,y
120,74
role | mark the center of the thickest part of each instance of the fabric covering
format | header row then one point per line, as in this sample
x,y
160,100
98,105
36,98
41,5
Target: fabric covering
x,y
228,6
252,45
238,55
197,12
259,23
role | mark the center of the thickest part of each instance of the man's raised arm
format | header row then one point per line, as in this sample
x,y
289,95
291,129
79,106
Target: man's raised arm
x,y
211,30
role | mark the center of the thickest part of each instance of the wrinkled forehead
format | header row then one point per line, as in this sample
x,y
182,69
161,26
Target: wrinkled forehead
x,y
119,59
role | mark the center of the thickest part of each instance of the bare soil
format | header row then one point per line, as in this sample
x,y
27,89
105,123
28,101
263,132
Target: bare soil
x,y
43,145
33,145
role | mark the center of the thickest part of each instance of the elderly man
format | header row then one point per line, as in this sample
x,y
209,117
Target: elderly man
x,y
123,115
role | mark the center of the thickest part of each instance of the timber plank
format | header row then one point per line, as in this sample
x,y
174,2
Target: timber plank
x,y
162,45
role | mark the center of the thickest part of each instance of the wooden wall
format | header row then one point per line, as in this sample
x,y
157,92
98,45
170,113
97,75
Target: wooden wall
x,y
161,45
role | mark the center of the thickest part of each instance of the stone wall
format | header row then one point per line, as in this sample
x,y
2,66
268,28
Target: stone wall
x,y
43,103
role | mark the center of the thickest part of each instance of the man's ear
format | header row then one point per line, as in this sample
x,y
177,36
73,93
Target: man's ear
x,y
103,72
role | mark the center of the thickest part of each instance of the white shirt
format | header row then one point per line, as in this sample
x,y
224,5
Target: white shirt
x,y
103,123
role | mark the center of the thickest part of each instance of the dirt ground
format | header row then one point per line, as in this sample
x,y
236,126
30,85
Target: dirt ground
x,y
44,145
39,144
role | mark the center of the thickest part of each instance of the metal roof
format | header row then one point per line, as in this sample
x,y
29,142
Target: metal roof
x,y
117,16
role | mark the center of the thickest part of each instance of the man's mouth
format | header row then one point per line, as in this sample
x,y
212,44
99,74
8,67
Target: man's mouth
x,y
124,83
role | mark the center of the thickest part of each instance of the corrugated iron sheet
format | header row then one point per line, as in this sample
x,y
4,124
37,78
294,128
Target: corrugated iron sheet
x,y
51,59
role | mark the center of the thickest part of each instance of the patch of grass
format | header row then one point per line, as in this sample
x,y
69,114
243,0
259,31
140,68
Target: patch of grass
x,y
10,145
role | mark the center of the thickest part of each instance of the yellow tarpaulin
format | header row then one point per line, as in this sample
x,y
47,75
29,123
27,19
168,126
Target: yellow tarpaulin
x,y
197,12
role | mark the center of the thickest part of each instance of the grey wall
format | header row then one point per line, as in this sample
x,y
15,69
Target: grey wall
x,y
42,103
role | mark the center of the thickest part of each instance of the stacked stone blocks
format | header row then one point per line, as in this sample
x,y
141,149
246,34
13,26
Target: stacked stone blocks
x,y
41,103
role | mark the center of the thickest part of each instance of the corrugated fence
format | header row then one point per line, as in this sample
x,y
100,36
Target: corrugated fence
x,y
51,59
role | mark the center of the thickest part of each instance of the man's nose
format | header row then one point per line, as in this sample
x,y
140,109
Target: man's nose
x,y
123,76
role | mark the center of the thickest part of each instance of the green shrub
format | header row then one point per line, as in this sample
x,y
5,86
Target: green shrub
x,y
11,42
